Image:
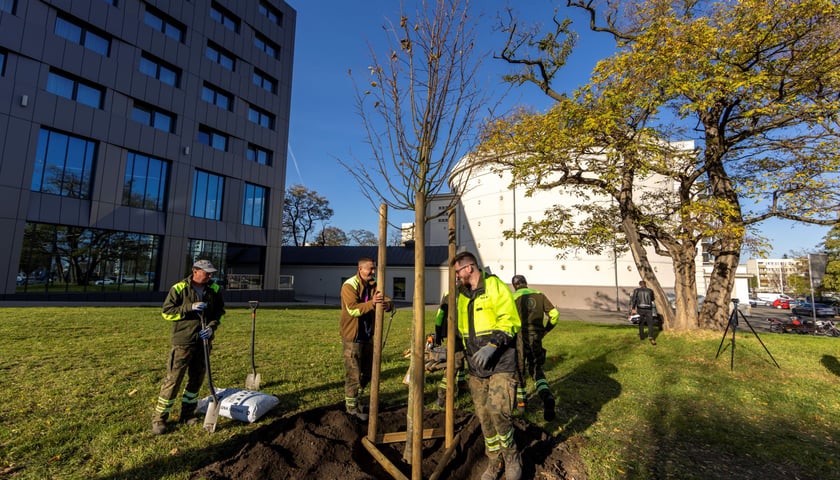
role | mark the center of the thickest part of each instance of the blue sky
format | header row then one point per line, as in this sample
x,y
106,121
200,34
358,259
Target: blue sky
x,y
333,36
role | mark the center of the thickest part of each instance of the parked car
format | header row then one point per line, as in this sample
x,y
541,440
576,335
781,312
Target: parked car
x,y
784,303
104,281
805,310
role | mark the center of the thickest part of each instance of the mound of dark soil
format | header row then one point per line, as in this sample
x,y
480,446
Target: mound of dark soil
x,y
326,443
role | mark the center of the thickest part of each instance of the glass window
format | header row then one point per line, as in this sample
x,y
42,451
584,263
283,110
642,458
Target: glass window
x,y
76,33
8,6
270,48
160,70
207,195
163,23
2,63
112,260
63,164
258,154
64,86
271,13
253,206
145,182
265,81
398,292
260,117
208,136
148,115
229,20
216,96
220,56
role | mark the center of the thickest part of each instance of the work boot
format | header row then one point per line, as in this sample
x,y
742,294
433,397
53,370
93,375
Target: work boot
x,y
513,463
158,427
187,414
494,468
357,412
441,398
548,408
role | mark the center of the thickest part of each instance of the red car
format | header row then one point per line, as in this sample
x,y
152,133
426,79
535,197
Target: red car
x,y
782,303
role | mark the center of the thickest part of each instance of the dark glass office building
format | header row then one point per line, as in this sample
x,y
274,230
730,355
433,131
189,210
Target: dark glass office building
x,y
137,136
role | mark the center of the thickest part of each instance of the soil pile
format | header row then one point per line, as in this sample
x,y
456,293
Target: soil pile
x,y
326,443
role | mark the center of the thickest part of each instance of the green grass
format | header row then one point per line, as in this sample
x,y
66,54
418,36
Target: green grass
x,y
79,386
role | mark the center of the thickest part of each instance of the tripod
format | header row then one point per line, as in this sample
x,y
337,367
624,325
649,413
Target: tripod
x,y
733,322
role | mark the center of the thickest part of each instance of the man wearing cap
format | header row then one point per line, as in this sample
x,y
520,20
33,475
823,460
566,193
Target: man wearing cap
x,y
488,323
533,306
188,300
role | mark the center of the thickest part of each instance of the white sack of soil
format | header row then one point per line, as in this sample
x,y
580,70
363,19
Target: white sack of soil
x,y
240,404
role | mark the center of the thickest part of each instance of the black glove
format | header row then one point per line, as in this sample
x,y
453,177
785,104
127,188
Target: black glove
x,y
484,354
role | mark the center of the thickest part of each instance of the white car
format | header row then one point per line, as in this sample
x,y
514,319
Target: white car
x,y
104,281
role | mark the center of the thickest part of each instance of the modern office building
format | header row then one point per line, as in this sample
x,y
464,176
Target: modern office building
x,y
137,136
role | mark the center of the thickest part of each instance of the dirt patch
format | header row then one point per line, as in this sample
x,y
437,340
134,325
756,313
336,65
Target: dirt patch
x,y
326,443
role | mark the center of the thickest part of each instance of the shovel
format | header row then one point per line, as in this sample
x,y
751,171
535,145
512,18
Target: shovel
x,y
252,381
212,415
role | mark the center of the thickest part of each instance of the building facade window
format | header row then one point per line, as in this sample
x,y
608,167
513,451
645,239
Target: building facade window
x,y
253,206
268,11
399,288
2,63
160,70
217,97
145,182
264,81
83,92
52,254
8,6
153,117
216,252
207,195
270,48
212,138
260,117
163,23
82,35
217,54
258,154
63,165
223,16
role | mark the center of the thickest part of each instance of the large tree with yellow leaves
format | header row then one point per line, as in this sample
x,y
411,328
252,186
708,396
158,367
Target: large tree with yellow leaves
x,y
754,84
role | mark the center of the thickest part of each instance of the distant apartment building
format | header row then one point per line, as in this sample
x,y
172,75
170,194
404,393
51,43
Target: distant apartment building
x,y
772,274
137,136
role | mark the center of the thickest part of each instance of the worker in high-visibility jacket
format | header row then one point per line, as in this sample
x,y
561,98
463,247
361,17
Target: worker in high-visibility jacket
x,y
533,306
488,323
186,303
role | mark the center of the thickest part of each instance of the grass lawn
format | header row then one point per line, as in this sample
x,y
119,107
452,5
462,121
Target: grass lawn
x,y
79,386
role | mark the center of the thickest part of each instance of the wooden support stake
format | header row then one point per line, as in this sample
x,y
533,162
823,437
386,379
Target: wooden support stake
x,y
383,460
373,414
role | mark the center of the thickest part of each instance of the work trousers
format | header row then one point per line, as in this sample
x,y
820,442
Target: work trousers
x,y
493,399
358,364
183,360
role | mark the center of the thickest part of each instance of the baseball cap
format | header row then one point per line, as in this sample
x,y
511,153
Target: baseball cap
x,y
204,265
518,280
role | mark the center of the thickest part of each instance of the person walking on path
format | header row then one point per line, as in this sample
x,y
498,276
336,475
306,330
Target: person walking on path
x,y
533,306
488,323
186,301
642,303
359,298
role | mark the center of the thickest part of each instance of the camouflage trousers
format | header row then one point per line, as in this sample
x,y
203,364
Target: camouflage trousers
x,y
493,399
183,360
358,363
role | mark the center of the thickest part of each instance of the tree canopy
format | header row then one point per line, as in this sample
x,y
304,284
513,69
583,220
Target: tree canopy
x,y
753,85
303,209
